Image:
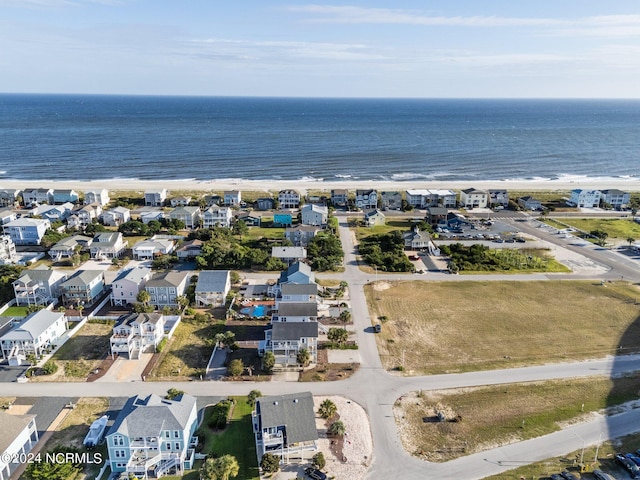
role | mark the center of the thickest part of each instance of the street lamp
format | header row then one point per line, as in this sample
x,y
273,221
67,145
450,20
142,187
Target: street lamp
x,y
581,454
595,459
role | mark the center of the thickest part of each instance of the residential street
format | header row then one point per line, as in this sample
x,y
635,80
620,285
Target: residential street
x,y
376,390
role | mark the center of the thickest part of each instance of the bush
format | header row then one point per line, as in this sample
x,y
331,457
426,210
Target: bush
x,y
319,461
161,345
236,367
219,414
50,368
270,463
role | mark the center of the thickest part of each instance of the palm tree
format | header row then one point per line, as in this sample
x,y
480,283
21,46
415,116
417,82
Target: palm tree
x,y
327,409
221,468
144,297
337,428
303,357
630,240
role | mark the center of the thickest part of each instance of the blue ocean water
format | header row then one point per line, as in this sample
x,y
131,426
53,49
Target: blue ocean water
x,y
85,137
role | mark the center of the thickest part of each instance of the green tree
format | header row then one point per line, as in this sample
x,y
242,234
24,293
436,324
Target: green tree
x,y
268,362
61,470
50,368
630,240
319,461
327,409
337,428
270,463
253,395
303,357
8,275
240,228
337,335
173,393
236,367
600,236
182,301
143,297
221,468
345,316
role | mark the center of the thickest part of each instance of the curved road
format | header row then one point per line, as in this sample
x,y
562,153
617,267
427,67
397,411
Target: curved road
x,y
377,390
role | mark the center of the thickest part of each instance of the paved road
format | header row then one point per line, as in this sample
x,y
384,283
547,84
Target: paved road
x,y
377,390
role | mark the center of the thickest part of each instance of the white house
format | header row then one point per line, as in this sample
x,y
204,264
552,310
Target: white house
x,y
498,197
233,198
180,201
289,254
136,333
127,285
19,436
27,231
212,288
155,198
32,336
153,434
67,247
189,215
289,199
285,425
116,216
293,292
374,217
301,235
585,198
216,216
38,286
149,249
37,195
618,199
9,197
366,199
165,287
473,198
312,214
100,197
286,339
296,312
107,245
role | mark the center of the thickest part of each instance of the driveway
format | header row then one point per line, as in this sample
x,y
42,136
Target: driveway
x,y
125,370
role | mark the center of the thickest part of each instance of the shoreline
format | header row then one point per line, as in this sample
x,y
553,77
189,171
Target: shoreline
x,y
561,184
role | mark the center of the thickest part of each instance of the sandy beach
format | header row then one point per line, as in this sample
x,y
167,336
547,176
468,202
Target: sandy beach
x,y
561,184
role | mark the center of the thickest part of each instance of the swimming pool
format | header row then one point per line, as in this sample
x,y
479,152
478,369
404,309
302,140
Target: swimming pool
x,y
255,311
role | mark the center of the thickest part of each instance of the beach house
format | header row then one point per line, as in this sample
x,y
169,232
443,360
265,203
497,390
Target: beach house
x,y
165,287
212,288
618,199
391,200
35,334
216,216
107,245
127,284
152,436
38,286
155,198
366,199
82,288
232,198
288,199
301,235
27,231
100,197
584,198
9,197
136,333
19,436
311,214
116,216
473,198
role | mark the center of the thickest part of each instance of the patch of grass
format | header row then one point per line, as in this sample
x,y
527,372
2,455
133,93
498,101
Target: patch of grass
x,y
442,327
256,233
237,439
81,353
390,226
498,415
619,228
187,352
329,372
604,461
15,312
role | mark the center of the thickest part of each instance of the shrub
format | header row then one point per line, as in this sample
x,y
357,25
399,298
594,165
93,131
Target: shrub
x,y
50,368
319,461
270,463
173,393
161,345
253,395
219,414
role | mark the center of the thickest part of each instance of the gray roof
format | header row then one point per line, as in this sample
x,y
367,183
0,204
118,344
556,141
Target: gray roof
x,y
11,426
294,412
139,318
474,190
109,238
298,309
172,278
27,222
295,268
289,252
83,277
437,210
612,191
299,289
135,275
212,281
71,242
149,416
39,275
293,330
34,325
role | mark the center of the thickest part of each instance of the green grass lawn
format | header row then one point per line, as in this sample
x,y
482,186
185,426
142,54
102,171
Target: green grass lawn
x,y
237,440
256,233
390,226
619,228
15,312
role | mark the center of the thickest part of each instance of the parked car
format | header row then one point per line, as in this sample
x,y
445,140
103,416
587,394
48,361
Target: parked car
x,y
315,473
631,467
377,327
555,476
600,475
568,475
634,458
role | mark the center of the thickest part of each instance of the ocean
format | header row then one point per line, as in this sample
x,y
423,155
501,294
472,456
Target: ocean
x,y
94,137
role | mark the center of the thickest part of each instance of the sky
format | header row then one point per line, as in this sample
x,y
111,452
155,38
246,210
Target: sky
x,y
423,49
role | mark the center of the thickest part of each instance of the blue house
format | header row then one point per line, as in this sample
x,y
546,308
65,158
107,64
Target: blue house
x,y
153,436
27,231
282,220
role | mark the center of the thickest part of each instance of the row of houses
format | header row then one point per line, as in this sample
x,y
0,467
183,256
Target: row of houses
x,y
39,196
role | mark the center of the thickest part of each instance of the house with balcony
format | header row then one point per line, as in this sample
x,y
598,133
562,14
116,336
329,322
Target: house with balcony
x,y
67,247
180,201
618,199
374,217
9,197
436,215
32,196
232,198
286,339
285,425
107,245
116,216
127,284
416,239
65,196
82,288
288,199
165,287
190,249
190,216
391,200
38,286
418,198
27,231
19,436
282,220
250,219
136,333
584,198
212,288
298,273
101,197
153,437
297,293
339,197
211,200
216,216
498,198
155,198
264,203
366,199
530,203
301,235
152,248
8,253
312,214
56,213
33,336
85,215
473,198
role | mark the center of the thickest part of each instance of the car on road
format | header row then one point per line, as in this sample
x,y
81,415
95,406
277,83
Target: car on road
x,y
555,476
315,473
377,328
600,475
567,475
631,467
634,458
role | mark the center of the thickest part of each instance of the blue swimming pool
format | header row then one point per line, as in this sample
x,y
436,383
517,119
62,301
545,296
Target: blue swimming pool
x,y
255,311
